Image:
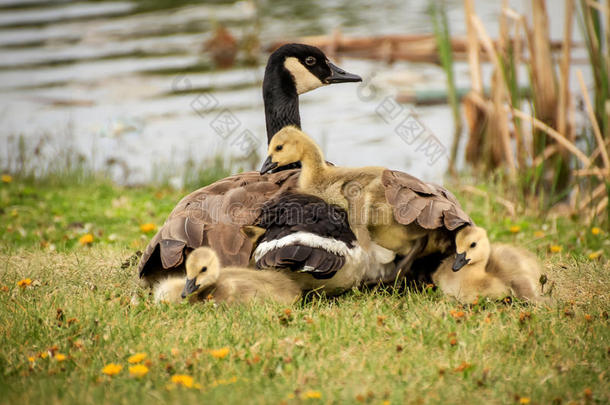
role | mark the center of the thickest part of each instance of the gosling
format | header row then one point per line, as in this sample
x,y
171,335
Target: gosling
x,y
359,191
205,279
494,271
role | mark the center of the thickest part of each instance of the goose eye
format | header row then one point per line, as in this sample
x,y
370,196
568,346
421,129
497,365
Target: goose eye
x,y
204,269
279,148
310,61
473,244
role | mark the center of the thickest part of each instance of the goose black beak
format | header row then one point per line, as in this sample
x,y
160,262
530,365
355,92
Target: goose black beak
x,y
460,261
268,165
339,75
189,288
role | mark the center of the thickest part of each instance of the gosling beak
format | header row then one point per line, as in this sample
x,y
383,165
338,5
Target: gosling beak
x,y
339,75
268,165
460,261
190,287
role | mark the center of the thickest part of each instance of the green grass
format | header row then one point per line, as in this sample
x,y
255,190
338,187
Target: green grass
x,y
369,346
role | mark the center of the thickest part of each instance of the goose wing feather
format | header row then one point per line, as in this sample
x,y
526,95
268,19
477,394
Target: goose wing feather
x,y
213,216
430,205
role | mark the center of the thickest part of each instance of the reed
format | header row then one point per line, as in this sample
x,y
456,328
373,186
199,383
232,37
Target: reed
x,y
542,146
443,42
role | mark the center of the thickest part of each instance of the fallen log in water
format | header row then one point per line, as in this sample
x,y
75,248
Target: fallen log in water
x,y
413,48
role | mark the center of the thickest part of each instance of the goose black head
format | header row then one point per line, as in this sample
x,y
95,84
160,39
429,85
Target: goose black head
x,y
294,69
308,68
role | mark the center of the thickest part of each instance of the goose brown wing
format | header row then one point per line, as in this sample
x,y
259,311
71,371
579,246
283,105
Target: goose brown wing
x,y
429,205
213,216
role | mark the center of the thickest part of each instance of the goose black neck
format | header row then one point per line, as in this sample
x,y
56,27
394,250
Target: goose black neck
x,y
281,100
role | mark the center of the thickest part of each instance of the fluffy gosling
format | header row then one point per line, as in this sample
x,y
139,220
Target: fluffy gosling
x,y
487,270
204,278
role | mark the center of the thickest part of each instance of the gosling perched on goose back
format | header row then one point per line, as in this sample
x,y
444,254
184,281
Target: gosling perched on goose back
x,y
482,269
205,278
357,190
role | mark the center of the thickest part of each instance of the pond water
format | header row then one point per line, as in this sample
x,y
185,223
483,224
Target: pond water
x,y
121,83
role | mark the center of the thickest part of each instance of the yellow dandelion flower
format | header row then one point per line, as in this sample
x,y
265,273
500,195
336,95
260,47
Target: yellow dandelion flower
x,y
112,369
31,359
86,239
7,178
595,255
60,357
312,395
524,400
220,353
539,234
515,228
596,231
137,358
148,227
183,380
43,355
139,370
555,248
25,282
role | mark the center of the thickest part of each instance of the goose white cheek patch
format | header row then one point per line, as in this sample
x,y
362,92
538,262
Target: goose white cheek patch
x,y
303,79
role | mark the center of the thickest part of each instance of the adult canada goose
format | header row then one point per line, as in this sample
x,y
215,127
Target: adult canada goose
x,y
213,215
395,210
205,279
482,269
313,240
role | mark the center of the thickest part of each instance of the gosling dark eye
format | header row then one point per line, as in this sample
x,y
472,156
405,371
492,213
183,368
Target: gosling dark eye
x,y
473,244
279,147
310,61
204,269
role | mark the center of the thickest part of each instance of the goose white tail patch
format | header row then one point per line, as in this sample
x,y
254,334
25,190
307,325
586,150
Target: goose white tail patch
x,y
304,238
304,80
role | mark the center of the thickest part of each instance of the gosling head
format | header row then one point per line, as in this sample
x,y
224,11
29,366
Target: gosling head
x,y
471,246
289,145
202,270
308,68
